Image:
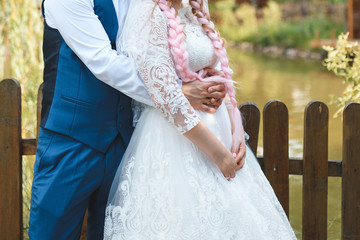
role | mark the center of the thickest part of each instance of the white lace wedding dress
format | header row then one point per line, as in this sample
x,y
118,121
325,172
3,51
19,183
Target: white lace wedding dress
x,y
166,188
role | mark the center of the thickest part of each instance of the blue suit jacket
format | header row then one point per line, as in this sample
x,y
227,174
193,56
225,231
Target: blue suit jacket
x,y
76,103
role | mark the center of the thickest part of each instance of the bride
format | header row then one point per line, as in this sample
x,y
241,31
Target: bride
x,y
179,177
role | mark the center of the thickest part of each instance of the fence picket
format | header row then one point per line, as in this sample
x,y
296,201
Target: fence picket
x,y
351,173
10,160
315,177
315,167
251,122
276,149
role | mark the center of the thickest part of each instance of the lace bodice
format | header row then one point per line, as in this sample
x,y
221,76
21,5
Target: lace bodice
x,y
145,38
198,44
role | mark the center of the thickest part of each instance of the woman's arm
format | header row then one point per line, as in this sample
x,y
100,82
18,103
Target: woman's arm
x,y
149,41
238,145
203,138
238,139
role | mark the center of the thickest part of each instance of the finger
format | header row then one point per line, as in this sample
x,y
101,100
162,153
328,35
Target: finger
x,y
232,173
215,103
211,102
217,100
233,147
216,95
207,101
240,158
207,85
241,164
217,88
207,108
241,153
212,71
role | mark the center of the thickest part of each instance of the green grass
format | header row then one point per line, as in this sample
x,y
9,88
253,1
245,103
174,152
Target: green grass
x,y
239,24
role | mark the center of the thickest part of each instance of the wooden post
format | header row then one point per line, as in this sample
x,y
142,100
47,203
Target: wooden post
x,y
276,149
11,223
315,177
83,235
354,19
351,173
251,122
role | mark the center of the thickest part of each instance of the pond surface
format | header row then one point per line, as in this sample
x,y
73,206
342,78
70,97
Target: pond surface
x,y
296,83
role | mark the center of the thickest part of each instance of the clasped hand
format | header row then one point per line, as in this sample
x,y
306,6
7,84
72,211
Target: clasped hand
x,y
205,96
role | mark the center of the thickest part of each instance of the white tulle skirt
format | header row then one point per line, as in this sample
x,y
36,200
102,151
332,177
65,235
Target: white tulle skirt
x,y
166,188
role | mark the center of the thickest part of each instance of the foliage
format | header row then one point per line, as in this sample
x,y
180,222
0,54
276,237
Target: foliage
x,y
238,23
344,61
21,58
312,1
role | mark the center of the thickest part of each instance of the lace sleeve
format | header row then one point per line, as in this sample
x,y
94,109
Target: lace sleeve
x,y
146,42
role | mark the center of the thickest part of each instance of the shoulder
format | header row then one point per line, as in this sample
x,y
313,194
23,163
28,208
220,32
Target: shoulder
x,y
55,10
56,5
146,12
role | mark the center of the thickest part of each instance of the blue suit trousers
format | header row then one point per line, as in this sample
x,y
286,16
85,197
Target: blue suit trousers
x,y
69,177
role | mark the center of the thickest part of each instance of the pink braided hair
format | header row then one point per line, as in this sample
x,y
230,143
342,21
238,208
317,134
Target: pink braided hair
x,y
176,42
178,47
179,54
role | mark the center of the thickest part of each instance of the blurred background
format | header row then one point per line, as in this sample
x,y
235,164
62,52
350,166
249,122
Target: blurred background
x,y
276,52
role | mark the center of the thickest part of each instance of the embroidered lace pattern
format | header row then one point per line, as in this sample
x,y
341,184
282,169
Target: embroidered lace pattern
x,y
156,67
166,188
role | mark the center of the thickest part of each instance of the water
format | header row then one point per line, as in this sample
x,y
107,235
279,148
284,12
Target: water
x,y
296,83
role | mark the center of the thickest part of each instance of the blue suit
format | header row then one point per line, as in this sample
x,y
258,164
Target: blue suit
x,y
85,128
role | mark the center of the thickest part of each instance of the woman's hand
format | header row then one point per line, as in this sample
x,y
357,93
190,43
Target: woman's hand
x,y
213,72
238,138
226,164
240,155
206,141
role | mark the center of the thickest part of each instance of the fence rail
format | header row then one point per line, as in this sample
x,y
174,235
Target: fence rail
x,y
276,164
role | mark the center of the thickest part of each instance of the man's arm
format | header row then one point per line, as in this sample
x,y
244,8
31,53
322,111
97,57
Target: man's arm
x,y
85,35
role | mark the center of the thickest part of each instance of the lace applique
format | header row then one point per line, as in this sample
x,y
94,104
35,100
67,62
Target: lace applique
x,y
156,68
166,188
198,44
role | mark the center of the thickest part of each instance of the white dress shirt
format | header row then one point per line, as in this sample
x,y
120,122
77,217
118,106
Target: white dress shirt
x,y
84,34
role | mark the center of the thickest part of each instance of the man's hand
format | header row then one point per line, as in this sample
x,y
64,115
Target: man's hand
x,y
205,96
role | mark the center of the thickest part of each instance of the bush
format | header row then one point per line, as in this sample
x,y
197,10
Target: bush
x,y
344,61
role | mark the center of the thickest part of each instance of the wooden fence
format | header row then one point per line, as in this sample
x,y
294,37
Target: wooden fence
x,y
276,164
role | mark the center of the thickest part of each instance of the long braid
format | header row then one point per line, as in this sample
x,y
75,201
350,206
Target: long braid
x,y
209,27
177,45
180,57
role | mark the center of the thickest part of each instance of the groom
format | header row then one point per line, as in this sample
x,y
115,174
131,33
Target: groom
x,y
86,119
